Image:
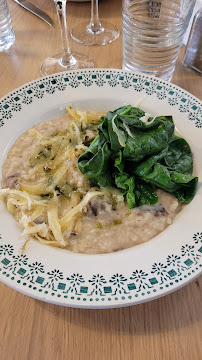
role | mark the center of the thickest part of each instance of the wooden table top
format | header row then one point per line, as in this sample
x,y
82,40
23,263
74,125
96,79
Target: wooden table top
x,y
166,328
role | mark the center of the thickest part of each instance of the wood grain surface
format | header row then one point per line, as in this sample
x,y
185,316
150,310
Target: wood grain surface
x,y
166,328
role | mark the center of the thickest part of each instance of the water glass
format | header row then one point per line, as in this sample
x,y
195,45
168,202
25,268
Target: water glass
x,y
7,37
152,34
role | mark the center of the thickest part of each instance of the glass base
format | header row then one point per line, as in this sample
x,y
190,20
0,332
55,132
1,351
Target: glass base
x,y
56,64
84,35
6,42
165,74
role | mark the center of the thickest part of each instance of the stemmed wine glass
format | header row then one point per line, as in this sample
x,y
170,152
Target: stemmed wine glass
x,y
95,32
66,60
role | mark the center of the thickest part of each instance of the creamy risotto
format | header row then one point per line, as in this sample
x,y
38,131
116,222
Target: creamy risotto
x,y
57,205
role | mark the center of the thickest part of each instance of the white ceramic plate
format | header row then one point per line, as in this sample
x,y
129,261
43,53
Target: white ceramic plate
x,y
139,274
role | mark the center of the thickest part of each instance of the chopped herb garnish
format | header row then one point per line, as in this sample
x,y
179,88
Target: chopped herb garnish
x,y
115,222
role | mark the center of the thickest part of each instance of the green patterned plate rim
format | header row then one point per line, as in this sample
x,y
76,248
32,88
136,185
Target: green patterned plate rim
x,y
142,273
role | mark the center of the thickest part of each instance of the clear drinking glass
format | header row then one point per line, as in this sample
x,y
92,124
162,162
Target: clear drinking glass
x,y
66,60
152,34
95,32
7,37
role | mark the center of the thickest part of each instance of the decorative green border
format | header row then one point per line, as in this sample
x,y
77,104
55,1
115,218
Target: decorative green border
x,y
117,286
25,95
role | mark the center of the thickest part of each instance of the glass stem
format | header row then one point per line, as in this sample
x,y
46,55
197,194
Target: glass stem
x,y
67,58
95,24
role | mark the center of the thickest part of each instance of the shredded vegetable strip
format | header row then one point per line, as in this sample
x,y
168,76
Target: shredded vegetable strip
x,y
38,189
54,224
47,242
77,209
36,229
23,194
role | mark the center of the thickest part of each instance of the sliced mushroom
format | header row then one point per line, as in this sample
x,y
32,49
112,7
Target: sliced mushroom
x,y
11,181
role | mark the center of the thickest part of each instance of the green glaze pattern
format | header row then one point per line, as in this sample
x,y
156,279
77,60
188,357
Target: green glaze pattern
x,y
173,270
139,83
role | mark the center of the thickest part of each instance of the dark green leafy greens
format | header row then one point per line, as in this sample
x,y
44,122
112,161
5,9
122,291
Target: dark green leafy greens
x,y
137,156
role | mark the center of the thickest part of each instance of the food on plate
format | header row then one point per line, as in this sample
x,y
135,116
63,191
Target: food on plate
x,y
92,182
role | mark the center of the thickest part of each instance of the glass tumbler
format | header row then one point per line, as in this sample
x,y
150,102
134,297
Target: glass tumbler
x,y
7,37
152,34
